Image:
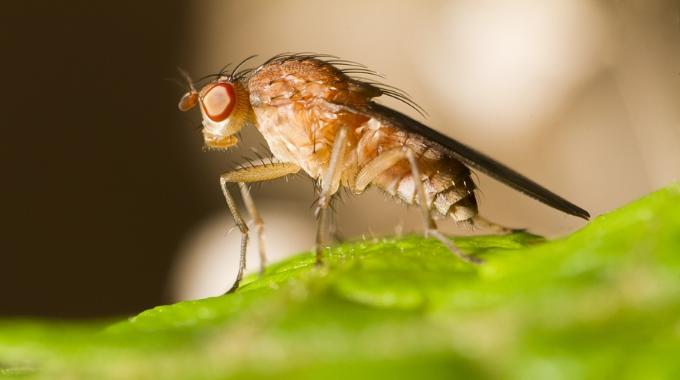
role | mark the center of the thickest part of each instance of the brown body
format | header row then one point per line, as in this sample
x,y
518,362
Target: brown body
x,y
299,106
318,119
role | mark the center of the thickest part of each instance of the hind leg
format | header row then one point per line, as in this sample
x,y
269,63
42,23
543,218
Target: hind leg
x,y
430,224
481,222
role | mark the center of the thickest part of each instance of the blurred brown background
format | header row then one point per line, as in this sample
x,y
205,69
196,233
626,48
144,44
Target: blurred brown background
x,y
110,206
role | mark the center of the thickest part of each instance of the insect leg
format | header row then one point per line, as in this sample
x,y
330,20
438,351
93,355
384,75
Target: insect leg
x,y
329,184
257,220
482,222
333,231
430,224
241,224
376,166
243,175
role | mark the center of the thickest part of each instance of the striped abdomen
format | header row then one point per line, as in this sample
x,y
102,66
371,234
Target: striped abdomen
x,y
447,182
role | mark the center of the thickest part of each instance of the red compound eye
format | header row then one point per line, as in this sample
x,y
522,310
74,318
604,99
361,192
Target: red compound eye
x,y
218,101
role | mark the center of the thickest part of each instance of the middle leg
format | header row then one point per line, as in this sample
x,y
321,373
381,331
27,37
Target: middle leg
x,y
328,187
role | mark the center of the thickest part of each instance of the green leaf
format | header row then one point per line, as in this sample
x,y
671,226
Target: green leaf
x,y
603,302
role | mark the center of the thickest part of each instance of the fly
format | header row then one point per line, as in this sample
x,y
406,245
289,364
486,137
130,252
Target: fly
x,y
320,119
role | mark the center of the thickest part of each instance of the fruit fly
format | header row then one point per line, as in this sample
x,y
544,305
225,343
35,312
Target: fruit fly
x,y
318,117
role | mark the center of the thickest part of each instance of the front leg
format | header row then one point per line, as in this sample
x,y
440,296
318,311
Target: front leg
x,y
243,175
